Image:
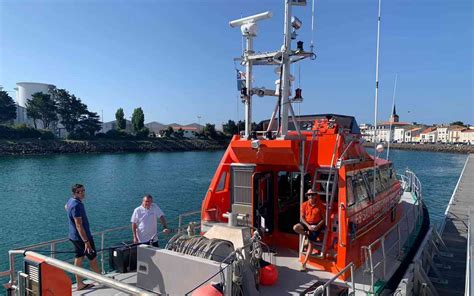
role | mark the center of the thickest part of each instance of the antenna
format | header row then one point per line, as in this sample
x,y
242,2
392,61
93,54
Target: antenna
x,y
376,90
393,106
248,27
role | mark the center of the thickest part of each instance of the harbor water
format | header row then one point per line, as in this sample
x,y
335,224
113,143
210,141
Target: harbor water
x,y
34,189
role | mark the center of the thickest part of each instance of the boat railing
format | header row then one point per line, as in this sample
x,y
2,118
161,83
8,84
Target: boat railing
x,y
52,245
399,230
106,281
184,215
325,289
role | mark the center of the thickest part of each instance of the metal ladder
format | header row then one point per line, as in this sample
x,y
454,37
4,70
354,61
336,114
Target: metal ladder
x,y
327,189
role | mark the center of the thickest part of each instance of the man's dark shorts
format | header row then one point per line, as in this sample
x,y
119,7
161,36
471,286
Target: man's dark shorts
x,y
80,249
312,235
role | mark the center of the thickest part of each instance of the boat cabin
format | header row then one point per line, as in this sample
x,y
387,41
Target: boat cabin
x,y
263,180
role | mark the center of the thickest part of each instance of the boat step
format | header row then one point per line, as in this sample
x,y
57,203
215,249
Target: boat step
x,y
324,181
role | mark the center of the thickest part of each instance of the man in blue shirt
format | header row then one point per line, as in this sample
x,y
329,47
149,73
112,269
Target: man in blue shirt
x,y
79,232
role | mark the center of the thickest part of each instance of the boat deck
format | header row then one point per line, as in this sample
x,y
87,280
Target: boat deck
x,y
455,231
291,281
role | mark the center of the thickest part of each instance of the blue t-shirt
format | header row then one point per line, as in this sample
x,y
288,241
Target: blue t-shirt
x,y
75,209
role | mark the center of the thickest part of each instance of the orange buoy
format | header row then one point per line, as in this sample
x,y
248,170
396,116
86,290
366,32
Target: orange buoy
x,y
268,275
207,290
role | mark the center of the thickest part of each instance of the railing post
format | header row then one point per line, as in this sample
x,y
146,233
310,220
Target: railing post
x,y
352,278
371,270
399,241
12,268
383,255
53,250
102,241
180,218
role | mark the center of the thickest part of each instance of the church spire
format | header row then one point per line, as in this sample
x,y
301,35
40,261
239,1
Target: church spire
x,y
394,117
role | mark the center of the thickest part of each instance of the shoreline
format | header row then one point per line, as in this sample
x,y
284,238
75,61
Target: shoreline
x,y
46,147
460,149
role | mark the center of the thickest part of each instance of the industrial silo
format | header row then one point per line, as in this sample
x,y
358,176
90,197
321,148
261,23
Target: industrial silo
x,y
26,89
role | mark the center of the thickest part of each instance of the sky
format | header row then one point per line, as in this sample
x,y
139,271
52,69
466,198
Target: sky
x,y
175,58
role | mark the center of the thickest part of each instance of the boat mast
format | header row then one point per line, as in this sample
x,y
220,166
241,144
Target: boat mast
x,y
286,63
282,58
376,91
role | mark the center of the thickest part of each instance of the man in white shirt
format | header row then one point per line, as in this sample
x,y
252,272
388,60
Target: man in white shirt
x,y
144,221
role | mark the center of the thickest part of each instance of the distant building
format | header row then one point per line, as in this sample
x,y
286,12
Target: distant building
x,y
467,136
454,133
442,133
111,125
399,133
157,127
413,135
24,91
428,135
385,130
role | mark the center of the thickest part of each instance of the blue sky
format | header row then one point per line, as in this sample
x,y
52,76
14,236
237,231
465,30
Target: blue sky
x,y
174,58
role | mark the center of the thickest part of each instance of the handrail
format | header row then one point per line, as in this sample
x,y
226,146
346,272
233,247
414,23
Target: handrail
x,y
181,216
414,185
327,285
52,243
86,274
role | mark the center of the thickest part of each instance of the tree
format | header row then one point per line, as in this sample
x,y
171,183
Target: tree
x,y
7,107
169,132
210,131
179,133
457,123
42,106
70,109
120,121
138,119
241,126
230,128
88,125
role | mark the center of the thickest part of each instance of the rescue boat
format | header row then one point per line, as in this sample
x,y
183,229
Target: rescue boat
x,y
245,244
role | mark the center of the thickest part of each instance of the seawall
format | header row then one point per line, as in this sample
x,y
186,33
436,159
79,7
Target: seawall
x,y
454,148
39,147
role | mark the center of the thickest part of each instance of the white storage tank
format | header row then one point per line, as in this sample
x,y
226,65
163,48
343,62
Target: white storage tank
x,y
26,89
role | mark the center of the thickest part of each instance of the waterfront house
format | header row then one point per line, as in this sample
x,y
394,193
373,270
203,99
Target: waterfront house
x,y
467,136
428,135
442,133
413,135
454,133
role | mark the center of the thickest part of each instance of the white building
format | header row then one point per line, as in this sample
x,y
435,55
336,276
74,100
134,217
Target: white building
x,y
429,135
399,133
467,136
413,135
454,133
442,133
385,130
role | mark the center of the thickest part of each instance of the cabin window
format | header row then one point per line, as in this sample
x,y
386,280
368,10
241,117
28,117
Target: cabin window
x,y
370,182
350,193
359,188
221,184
